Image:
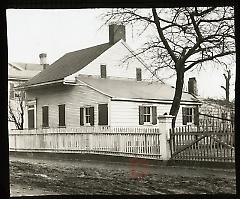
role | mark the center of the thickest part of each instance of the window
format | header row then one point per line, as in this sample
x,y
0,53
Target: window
x,y
103,114
45,120
87,116
61,115
103,71
188,115
139,74
147,115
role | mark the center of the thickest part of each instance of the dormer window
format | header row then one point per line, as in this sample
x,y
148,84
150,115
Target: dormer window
x,y
139,74
103,71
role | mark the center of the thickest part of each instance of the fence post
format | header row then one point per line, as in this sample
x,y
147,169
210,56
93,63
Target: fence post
x,y
165,122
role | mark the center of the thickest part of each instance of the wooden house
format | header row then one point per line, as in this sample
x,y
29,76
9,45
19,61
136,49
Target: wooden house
x,y
94,87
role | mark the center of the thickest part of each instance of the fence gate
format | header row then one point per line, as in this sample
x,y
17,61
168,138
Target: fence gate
x,y
210,141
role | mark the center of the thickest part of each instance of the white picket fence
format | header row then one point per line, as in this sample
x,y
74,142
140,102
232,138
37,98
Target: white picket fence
x,y
118,141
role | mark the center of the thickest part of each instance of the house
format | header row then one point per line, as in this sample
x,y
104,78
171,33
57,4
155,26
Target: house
x,y
19,73
94,87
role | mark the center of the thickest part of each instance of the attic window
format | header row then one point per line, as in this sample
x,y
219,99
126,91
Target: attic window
x,y
103,71
139,74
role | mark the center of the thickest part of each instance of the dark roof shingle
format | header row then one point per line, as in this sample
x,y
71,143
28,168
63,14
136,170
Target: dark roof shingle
x,y
68,64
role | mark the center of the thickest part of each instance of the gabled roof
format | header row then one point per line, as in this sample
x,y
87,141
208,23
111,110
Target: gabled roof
x,y
68,64
128,89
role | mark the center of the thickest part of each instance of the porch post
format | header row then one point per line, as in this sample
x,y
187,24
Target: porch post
x,y
165,123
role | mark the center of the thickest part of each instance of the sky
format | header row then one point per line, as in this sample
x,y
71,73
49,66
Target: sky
x,y
57,32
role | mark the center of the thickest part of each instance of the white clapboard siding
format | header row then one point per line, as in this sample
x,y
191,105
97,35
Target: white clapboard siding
x,y
73,97
113,58
126,113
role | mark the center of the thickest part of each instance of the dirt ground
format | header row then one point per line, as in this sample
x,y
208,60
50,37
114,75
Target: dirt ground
x,y
55,177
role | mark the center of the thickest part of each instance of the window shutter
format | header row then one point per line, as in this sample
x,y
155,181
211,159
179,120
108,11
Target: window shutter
x,y
30,119
184,117
61,114
91,116
196,116
141,115
103,114
154,115
45,122
81,116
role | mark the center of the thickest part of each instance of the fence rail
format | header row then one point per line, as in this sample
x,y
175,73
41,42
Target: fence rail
x,y
131,141
206,143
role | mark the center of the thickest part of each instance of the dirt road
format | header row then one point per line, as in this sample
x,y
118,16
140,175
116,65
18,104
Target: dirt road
x,y
41,177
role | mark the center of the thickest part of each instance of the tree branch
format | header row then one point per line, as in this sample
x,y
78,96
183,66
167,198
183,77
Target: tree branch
x,y
162,37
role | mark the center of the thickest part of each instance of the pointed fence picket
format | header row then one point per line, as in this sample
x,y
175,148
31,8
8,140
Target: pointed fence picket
x,y
211,141
123,141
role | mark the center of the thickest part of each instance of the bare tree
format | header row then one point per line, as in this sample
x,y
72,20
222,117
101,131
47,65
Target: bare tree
x,y
16,110
227,77
182,38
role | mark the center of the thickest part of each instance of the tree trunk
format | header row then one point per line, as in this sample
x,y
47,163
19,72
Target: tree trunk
x,y
177,96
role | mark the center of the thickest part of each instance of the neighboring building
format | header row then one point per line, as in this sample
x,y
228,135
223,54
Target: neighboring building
x,y
217,108
19,73
92,87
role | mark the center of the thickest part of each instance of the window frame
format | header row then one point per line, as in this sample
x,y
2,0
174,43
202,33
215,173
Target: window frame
x,y
188,115
148,111
31,106
87,116
145,115
84,119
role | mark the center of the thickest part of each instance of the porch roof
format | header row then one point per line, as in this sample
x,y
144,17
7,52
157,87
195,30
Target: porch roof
x,y
118,88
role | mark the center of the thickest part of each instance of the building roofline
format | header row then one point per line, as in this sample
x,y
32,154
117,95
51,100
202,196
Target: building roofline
x,y
39,84
162,101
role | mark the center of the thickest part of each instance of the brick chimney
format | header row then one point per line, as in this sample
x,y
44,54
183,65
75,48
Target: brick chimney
x,y
116,32
192,86
43,60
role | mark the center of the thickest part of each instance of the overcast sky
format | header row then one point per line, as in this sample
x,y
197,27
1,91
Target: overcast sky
x,y
56,32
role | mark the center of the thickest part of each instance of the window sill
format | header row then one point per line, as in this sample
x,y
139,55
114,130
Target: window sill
x,y
61,126
148,124
45,127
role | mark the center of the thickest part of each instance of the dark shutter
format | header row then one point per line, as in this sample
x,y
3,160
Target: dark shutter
x,y
30,119
139,74
81,116
184,117
45,122
196,116
91,116
103,114
103,71
61,114
154,115
141,115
